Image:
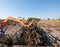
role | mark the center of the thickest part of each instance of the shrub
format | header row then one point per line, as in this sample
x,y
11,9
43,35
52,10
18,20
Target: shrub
x,y
30,19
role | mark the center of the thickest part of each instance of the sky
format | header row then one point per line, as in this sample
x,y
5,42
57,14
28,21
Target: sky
x,y
42,9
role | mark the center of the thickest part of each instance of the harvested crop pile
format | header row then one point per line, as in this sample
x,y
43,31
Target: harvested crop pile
x,y
27,36
31,37
22,35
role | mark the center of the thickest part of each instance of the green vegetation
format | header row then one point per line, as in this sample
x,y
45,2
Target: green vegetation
x,y
51,20
1,19
30,19
58,19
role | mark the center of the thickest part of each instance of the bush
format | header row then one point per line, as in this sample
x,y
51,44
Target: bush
x,y
30,19
59,19
1,20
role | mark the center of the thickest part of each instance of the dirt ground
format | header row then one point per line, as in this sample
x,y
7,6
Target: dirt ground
x,y
51,27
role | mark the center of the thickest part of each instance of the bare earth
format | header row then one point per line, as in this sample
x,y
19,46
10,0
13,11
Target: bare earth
x,y
52,27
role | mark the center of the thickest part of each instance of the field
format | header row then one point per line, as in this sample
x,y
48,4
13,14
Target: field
x,y
52,27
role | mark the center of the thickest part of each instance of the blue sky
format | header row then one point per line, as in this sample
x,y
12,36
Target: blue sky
x,y
30,8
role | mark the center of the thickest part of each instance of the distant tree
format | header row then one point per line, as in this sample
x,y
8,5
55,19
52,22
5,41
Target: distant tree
x,y
59,19
48,19
30,19
1,19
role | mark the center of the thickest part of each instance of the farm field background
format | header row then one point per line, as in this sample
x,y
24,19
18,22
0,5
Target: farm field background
x,y
51,26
